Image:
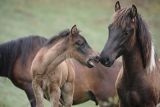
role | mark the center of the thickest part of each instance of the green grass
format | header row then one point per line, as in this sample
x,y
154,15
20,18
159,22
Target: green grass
x,y
19,18
46,18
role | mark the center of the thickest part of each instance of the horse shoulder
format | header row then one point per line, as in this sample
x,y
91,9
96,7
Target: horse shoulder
x,y
62,67
71,72
153,80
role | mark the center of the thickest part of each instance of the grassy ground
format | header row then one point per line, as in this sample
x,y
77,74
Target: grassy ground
x,y
20,18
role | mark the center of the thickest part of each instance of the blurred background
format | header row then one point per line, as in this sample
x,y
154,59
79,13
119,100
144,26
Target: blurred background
x,y
19,18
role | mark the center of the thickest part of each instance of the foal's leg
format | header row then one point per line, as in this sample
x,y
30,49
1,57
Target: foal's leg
x,y
67,93
55,94
38,92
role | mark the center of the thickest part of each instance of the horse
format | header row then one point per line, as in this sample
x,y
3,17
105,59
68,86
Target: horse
x,y
96,84
48,79
138,83
15,61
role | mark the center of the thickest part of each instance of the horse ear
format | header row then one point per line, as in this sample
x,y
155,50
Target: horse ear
x,y
74,30
117,6
133,11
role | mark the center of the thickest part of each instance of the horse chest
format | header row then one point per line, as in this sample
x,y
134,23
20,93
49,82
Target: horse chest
x,y
135,93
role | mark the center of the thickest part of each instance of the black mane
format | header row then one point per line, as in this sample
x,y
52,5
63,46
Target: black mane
x,y
62,34
20,48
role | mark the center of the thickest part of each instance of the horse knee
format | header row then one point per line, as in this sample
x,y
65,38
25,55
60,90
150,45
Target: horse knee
x,y
68,87
67,100
67,94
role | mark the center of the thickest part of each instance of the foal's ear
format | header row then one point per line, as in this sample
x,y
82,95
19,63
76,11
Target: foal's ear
x,y
133,11
117,6
74,30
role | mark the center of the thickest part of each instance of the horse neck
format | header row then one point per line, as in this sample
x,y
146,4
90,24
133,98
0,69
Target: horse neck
x,y
132,62
57,53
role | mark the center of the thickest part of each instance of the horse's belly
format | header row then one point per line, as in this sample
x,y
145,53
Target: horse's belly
x,y
80,97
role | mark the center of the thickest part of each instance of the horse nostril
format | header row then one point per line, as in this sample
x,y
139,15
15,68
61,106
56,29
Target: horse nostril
x,y
107,60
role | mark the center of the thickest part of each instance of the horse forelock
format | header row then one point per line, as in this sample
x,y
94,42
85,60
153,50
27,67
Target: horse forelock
x,y
120,18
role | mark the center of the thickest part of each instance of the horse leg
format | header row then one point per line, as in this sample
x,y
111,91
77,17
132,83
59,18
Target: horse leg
x,y
151,104
30,94
55,94
122,105
67,93
38,92
104,104
107,104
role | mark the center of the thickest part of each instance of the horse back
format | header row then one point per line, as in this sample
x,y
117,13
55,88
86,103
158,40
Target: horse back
x,y
28,48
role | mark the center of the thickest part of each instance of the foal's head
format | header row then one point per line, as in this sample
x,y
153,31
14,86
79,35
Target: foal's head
x,y
125,32
79,49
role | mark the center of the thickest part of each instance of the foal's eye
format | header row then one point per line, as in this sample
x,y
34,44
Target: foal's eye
x,y
81,44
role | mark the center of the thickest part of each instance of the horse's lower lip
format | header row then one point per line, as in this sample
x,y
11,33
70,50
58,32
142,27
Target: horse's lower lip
x,y
90,64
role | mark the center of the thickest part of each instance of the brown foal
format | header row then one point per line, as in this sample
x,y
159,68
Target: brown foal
x,y
48,78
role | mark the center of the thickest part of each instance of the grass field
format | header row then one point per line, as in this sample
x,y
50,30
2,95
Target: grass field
x,y
19,18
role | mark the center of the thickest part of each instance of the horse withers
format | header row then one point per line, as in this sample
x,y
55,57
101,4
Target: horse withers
x,y
47,78
138,83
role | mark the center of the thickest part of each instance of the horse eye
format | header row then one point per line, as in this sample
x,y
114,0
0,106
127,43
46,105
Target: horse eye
x,y
79,43
82,45
126,33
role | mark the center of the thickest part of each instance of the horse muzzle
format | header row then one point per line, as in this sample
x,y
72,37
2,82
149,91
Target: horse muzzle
x,y
106,61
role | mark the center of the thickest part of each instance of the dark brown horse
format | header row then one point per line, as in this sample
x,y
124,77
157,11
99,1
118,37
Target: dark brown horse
x,y
16,57
15,61
138,84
